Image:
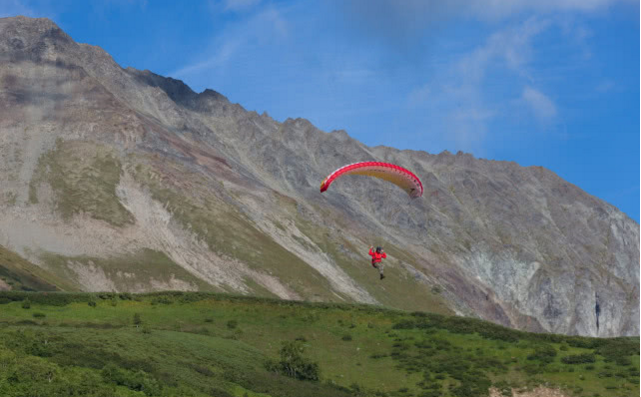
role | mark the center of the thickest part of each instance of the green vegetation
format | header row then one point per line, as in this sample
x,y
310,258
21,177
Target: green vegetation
x,y
83,177
207,344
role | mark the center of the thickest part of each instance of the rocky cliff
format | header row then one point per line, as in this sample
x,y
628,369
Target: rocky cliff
x,y
120,179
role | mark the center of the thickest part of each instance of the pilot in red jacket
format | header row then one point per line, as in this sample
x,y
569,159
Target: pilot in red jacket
x,y
377,259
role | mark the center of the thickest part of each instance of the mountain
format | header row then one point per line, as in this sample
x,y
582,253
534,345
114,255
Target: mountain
x,y
123,180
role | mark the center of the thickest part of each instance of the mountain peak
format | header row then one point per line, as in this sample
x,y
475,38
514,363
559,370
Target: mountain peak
x,y
25,33
209,93
34,24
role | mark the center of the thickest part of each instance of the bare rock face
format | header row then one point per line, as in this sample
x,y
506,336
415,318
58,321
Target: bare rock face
x,y
119,179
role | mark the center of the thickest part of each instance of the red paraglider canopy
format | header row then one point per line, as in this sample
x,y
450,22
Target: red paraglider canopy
x,y
398,175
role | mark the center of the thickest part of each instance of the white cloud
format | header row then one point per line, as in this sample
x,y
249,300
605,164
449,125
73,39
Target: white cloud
x,y
272,19
462,100
220,57
402,24
266,26
510,46
413,13
459,100
542,106
495,9
577,33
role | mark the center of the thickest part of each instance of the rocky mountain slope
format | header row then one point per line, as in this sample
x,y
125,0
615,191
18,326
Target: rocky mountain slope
x,y
123,180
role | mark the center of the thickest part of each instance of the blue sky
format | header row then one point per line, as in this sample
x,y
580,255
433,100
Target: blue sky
x,y
547,82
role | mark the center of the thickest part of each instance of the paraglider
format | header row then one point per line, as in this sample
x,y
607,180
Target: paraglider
x,y
401,177
393,173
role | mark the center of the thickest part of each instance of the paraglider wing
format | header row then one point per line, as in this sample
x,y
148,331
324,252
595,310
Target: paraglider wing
x,y
398,175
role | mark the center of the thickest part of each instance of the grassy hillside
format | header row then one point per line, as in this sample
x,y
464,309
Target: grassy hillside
x,y
142,271
83,177
201,344
16,273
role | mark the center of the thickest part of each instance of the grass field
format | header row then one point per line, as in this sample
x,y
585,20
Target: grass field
x,y
203,344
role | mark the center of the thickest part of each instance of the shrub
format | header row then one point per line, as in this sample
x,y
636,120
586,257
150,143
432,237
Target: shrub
x,y
232,324
26,304
125,296
201,369
543,353
618,350
137,381
216,392
293,364
585,343
39,315
583,358
405,324
347,337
